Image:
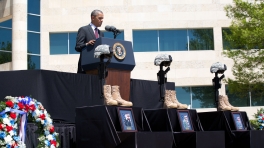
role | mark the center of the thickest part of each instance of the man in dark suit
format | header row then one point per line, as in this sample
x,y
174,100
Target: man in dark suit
x,y
88,34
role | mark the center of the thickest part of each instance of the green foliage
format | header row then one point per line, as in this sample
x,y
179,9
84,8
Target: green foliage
x,y
258,122
5,56
203,39
247,36
2,106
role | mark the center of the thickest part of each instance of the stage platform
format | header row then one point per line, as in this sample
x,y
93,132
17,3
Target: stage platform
x,y
67,95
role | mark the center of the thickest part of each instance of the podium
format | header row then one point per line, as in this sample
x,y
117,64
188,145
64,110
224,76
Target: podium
x,y
120,67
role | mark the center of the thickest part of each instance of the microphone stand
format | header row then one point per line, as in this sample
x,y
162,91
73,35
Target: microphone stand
x,y
116,33
162,80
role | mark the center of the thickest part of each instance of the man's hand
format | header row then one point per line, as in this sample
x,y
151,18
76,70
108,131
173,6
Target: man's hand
x,y
91,42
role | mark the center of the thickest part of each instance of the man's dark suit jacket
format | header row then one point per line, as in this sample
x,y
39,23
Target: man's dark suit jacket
x,y
85,34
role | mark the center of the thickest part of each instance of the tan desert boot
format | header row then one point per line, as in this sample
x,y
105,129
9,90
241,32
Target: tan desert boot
x,y
117,97
167,100
228,104
175,100
108,99
221,104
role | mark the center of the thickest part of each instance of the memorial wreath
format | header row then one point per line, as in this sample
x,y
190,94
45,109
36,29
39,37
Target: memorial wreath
x,y
258,122
13,117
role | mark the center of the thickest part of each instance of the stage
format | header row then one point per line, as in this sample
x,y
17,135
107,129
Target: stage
x,y
81,119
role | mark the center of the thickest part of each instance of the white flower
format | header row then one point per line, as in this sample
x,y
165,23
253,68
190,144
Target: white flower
x,y
42,121
8,139
37,112
52,146
41,138
49,137
9,97
11,133
56,134
262,124
15,126
6,121
49,121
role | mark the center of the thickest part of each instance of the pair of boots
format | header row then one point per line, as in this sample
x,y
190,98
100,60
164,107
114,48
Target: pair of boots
x,y
171,101
223,104
112,96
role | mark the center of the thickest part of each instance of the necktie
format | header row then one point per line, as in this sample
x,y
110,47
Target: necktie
x,y
96,33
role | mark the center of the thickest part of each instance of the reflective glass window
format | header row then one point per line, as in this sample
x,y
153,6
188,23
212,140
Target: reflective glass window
x,y
34,6
201,39
111,35
33,62
146,40
7,24
5,57
5,38
203,97
257,99
238,99
33,43
173,40
72,43
59,43
33,23
183,95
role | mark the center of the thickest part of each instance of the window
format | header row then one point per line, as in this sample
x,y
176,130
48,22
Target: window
x,y
59,43
197,97
64,43
72,43
33,23
34,6
33,27
145,40
183,95
111,35
203,97
7,24
173,40
238,100
201,39
33,43
226,43
6,41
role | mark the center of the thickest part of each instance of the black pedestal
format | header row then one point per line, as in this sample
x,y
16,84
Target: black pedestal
x,y
146,140
200,139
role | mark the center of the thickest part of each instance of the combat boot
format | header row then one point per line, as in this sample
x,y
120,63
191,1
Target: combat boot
x,y
228,104
221,104
175,100
117,97
167,100
108,99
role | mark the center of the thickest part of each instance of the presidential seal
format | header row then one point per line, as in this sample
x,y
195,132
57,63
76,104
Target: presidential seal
x,y
119,51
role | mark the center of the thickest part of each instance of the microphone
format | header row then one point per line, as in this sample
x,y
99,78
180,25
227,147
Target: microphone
x,y
112,29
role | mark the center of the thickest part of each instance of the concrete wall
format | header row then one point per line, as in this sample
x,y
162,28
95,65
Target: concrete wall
x,y
250,110
188,67
6,66
5,9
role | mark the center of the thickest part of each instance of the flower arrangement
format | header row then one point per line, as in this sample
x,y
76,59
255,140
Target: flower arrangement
x,y
20,108
258,122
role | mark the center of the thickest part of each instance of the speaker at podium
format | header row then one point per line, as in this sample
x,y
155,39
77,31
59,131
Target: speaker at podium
x,y
120,67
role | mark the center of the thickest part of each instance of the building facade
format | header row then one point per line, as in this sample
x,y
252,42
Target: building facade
x,y
43,36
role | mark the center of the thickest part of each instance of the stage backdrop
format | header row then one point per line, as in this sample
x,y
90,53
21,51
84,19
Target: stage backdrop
x,y
61,92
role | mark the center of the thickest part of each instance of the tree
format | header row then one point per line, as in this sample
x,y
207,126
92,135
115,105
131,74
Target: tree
x,y
5,56
246,43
